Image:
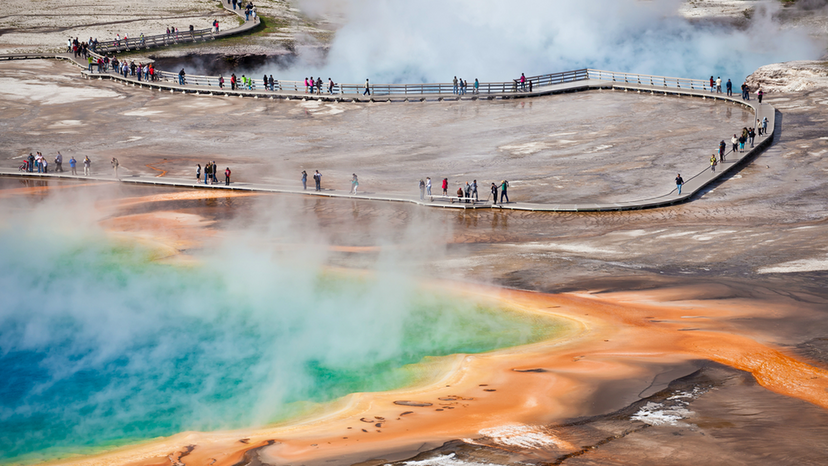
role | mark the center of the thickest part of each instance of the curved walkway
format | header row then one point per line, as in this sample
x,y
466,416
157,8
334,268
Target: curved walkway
x,y
169,40
591,80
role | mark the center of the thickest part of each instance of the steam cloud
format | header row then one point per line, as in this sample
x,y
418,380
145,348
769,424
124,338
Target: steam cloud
x,y
434,40
100,343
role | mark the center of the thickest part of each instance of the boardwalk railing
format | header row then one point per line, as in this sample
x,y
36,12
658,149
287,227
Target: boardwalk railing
x,y
160,40
412,90
649,80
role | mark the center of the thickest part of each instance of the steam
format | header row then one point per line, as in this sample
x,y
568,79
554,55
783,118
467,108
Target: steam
x,y
434,40
100,343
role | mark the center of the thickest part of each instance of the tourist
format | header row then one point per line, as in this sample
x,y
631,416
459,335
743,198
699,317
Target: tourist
x,y
317,179
39,162
445,186
719,85
198,172
115,165
734,141
454,87
428,185
207,169
181,75
90,61
221,82
504,185
474,190
765,126
751,136
227,173
330,86
59,163
233,82
713,163
306,85
494,193
367,88
73,166
319,86
87,166
215,172
760,93
522,82
742,140
712,85
729,86
459,194
476,86
468,192
722,149
312,83
422,189
354,184
31,160
304,180
679,183
272,83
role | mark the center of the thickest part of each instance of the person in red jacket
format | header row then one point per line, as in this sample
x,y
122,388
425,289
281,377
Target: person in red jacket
x,y
227,176
445,186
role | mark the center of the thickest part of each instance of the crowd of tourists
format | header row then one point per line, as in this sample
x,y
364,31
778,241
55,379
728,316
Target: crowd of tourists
x,y
38,162
741,141
716,87
211,173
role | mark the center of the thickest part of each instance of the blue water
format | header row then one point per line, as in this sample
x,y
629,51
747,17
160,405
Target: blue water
x,y
101,345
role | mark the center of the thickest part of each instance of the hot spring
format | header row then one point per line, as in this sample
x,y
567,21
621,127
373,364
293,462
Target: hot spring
x,y
102,344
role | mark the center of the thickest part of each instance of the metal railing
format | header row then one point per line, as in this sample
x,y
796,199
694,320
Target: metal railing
x,y
402,90
650,80
159,40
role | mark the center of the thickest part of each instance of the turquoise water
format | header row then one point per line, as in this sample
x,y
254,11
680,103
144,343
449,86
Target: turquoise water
x,y
101,345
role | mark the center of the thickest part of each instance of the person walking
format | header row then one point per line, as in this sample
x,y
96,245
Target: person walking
x,y
59,163
207,168
115,165
734,141
233,82
45,164
428,185
304,180
454,86
445,186
87,166
181,75
476,86
504,185
317,178
722,149
751,136
73,166
422,189
221,82
367,88
227,173
522,82
679,183
474,190
354,184
765,126
494,193
719,85
215,172
759,94
729,87
713,163
198,172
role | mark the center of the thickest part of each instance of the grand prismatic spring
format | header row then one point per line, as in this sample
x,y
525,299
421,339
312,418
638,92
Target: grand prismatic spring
x,y
263,324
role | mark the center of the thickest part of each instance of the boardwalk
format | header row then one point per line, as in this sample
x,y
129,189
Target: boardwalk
x,y
575,81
